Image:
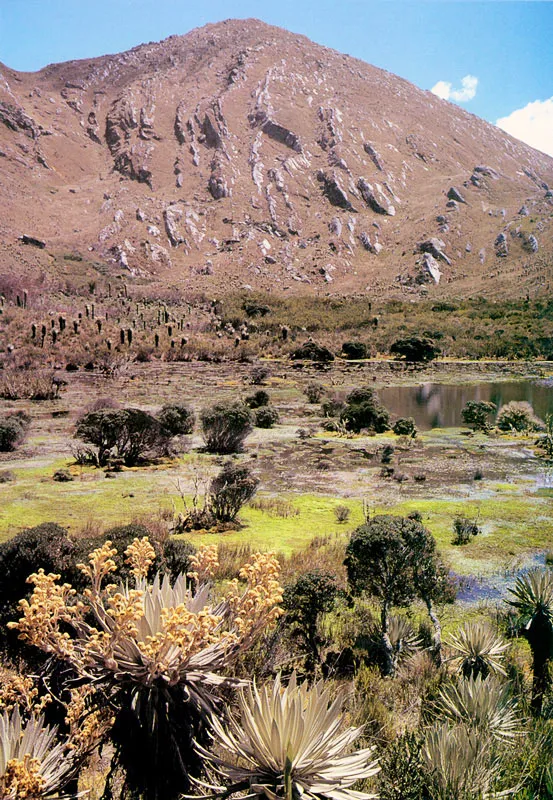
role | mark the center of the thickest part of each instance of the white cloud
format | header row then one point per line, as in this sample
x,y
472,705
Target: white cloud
x,y
445,90
532,124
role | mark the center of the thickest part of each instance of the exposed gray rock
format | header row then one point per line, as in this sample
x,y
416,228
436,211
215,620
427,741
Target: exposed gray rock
x,y
487,172
455,194
531,244
376,200
171,217
375,158
335,226
453,205
430,267
468,247
140,215
32,240
373,247
333,191
435,248
524,212
482,255
501,246
17,120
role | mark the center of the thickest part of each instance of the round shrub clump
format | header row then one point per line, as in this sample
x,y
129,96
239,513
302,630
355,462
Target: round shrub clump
x,y
176,420
12,430
405,426
225,427
266,417
518,416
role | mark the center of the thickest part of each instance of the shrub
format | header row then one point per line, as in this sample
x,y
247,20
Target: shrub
x,y
354,350
7,476
342,513
311,351
387,453
475,414
176,420
30,385
415,349
405,426
46,546
304,601
266,417
464,529
332,407
230,490
257,399
12,432
62,476
314,391
259,375
518,416
364,411
127,434
225,427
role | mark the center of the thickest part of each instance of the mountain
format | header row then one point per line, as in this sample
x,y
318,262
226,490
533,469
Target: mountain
x,y
244,155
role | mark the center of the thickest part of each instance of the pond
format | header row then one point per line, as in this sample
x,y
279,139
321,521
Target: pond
x,y
438,405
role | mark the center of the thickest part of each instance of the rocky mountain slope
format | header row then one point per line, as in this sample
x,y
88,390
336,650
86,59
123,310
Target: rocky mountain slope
x,y
243,155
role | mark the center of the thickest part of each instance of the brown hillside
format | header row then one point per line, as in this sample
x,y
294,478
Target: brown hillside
x,y
243,155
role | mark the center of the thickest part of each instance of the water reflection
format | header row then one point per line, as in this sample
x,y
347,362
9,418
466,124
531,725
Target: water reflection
x,y
435,405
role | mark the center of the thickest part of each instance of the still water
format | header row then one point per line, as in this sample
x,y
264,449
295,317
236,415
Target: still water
x,y
435,405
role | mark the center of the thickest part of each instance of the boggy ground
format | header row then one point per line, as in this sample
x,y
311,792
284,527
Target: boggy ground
x,y
303,477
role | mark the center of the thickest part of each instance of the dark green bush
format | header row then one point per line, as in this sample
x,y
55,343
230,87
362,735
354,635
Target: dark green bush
x,y
354,350
176,420
415,349
311,351
304,601
464,530
405,426
364,411
257,399
266,417
225,427
476,414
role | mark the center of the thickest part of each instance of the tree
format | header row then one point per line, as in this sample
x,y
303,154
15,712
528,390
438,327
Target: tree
x,y
125,433
475,414
415,349
225,427
304,601
395,560
364,410
533,595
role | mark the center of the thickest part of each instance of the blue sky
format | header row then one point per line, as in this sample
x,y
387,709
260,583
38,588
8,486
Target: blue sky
x,y
494,58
